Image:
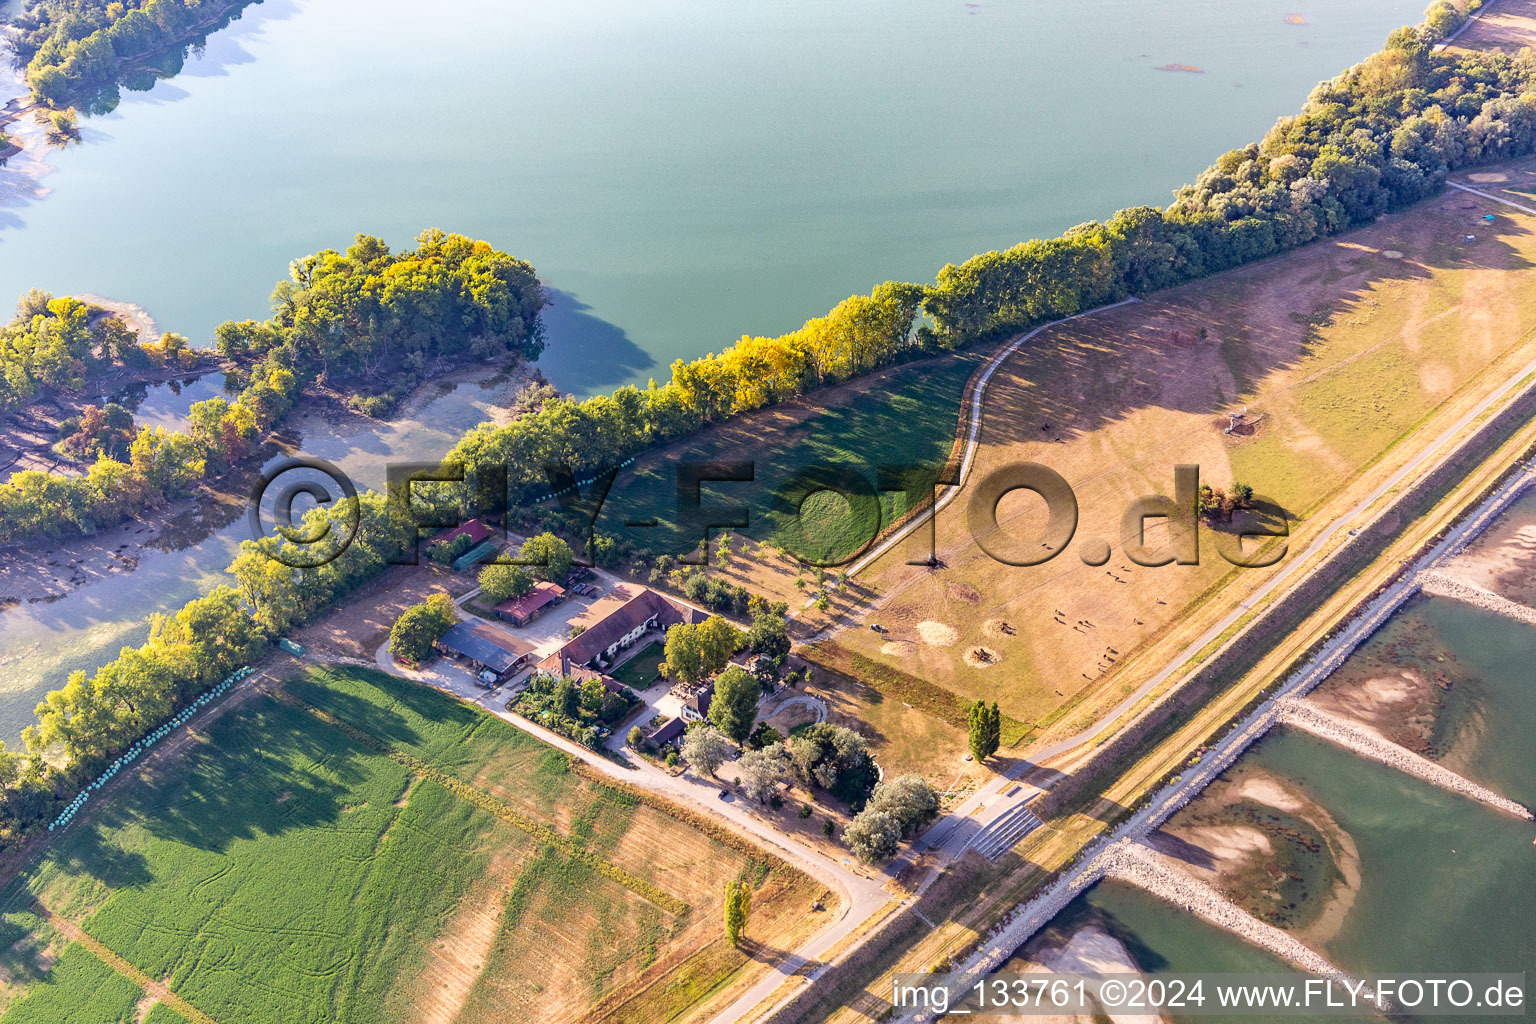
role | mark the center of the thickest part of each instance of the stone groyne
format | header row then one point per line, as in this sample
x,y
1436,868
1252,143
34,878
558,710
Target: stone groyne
x,y
1440,584
1147,869
1369,743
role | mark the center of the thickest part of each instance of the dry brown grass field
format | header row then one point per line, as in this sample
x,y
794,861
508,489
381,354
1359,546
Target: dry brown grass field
x,y
1345,349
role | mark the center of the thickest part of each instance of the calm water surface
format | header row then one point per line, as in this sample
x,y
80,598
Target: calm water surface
x,y
683,172
680,171
1446,882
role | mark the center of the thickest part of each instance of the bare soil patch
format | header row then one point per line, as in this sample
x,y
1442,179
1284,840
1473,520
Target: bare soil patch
x,y
937,634
358,627
458,957
981,657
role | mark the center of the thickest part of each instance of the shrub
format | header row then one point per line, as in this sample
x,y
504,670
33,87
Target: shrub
x,y
419,626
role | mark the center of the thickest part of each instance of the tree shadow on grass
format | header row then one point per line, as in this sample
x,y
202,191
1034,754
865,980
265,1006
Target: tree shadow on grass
x,y
93,851
380,721
1075,378
20,949
762,952
267,770
901,416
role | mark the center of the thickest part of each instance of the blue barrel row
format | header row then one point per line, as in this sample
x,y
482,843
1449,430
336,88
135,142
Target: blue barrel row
x,y
579,483
139,748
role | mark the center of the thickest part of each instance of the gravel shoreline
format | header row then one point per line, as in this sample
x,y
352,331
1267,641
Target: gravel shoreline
x,y
1441,585
1106,853
1368,743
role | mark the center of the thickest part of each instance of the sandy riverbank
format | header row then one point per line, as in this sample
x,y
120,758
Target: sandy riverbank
x,y
1503,559
51,569
21,176
1397,684
47,570
1269,848
1086,949
131,313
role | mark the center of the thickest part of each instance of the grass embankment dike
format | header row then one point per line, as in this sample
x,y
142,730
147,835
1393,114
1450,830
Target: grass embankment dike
x,y
469,873
1123,772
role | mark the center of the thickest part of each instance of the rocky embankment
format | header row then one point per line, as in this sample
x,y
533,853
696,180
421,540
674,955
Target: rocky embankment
x,y
1140,866
1368,743
1460,590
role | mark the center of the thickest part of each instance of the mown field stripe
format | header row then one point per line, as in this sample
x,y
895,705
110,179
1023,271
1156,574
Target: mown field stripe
x,y
538,830
75,933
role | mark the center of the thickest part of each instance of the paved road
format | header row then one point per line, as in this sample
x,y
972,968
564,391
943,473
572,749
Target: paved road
x,y
1489,195
1000,800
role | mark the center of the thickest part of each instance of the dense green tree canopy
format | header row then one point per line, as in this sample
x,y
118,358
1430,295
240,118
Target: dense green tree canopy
x,y
895,809
95,717
419,626
368,312
696,652
547,556
835,758
733,708
705,748
500,583
78,49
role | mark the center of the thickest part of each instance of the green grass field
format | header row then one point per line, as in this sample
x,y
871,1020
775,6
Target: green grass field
x,y
80,989
292,870
641,671
905,416
162,1014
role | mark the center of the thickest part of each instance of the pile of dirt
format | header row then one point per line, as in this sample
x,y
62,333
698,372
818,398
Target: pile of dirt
x,y
982,657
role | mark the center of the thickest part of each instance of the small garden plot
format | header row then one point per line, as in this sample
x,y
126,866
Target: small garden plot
x,y
585,712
